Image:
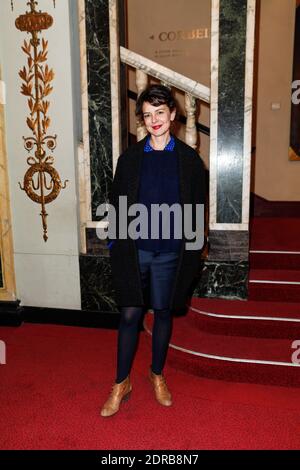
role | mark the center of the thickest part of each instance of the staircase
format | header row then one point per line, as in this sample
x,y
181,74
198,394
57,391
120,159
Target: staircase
x,y
194,91
275,259
250,341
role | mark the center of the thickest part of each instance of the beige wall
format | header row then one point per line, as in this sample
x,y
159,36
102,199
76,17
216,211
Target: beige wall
x,y
187,50
42,268
276,178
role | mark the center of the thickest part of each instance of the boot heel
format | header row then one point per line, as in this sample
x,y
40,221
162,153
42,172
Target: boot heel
x,y
126,397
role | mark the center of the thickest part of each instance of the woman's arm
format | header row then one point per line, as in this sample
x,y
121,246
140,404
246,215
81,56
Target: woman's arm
x,y
117,189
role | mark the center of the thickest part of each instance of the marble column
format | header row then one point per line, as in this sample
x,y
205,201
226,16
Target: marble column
x,y
100,34
99,96
225,273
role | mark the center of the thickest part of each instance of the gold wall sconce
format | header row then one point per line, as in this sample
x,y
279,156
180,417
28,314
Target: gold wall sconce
x,y
42,182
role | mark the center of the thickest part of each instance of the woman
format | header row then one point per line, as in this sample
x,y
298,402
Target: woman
x,y
158,169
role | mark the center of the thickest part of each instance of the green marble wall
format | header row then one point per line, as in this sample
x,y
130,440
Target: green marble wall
x,y
225,274
231,102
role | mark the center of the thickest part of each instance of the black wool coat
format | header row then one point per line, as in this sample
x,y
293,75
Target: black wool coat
x,y
124,256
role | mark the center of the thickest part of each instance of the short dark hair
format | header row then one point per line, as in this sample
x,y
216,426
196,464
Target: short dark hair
x,y
156,95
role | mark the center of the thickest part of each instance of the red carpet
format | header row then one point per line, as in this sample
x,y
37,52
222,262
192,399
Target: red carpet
x,y
187,336
229,368
274,233
248,308
248,341
275,260
274,276
286,275
56,379
246,318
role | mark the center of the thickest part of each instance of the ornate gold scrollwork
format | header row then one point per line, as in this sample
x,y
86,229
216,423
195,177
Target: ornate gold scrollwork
x,y
42,182
12,4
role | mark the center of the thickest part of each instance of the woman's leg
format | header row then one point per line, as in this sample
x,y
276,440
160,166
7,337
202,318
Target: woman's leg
x,y
163,271
160,339
127,340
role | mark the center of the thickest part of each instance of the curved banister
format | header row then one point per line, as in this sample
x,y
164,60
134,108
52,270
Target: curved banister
x,y
175,79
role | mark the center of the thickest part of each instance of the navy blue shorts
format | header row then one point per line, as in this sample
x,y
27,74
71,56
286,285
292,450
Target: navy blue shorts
x,y
158,272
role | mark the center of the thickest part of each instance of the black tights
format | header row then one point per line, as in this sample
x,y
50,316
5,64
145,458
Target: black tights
x,y
128,335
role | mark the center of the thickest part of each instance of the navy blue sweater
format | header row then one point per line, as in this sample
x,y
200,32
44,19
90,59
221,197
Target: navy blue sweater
x,y
159,183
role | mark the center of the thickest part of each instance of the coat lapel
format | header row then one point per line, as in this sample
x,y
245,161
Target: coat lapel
x,y
134,171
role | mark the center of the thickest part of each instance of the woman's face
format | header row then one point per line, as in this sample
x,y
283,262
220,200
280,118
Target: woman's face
x,y
158,119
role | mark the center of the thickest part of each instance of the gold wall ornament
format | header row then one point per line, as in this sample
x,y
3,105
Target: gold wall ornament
x,y
42,182
12,4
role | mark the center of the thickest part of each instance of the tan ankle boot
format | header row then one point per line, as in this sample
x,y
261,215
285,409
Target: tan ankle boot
x,y
120,392
162,394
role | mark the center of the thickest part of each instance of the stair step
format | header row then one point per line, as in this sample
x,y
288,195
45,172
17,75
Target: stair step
x,y
253,349
283,260
243,326
247,308
274,285
230,357
274,233
266,292
272,276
